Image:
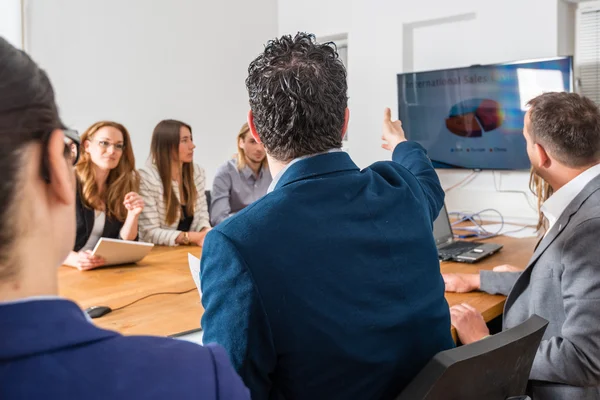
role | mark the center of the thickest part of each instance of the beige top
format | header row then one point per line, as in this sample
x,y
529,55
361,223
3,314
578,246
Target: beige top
x,y
152,225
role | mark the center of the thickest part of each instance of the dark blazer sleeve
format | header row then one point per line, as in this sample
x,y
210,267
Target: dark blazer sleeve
x,y
85,221
413,157
240,326
574,357
229,384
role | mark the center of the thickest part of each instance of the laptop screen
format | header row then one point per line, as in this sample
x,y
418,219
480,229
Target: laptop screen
x,y
442,231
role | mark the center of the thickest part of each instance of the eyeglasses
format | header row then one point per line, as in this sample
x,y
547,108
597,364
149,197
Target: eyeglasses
x,y
106,145
71,152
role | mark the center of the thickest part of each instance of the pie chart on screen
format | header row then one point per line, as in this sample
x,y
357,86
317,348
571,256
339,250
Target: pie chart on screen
x,y
474,117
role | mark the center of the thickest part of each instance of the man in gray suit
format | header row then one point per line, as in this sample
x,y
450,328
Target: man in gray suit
x,y
561,283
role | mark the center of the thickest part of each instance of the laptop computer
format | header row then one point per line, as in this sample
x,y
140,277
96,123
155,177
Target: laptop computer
x,y
458,250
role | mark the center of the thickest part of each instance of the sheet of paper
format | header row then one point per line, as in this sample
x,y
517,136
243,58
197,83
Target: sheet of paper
x,y
194,263
516,231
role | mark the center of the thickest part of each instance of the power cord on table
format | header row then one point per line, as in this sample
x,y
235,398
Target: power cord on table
x,y
150,295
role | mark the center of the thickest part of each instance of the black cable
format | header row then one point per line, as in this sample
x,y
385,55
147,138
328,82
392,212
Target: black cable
x,y
150,295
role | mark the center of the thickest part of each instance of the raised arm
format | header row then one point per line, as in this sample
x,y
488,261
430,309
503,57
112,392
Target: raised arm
x,y
134,204
413,157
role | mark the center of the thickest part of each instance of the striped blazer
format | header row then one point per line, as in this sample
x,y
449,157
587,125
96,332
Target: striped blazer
x,y
152,225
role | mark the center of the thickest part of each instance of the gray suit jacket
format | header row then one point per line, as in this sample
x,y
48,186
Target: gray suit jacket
x,y
561,284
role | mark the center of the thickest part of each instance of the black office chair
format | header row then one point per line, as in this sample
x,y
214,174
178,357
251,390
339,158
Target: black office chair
x,y
207,193
495,368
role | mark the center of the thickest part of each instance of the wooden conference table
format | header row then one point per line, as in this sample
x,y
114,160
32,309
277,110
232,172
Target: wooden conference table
x,y
166,270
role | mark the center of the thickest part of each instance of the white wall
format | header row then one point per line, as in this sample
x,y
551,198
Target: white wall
x,y
10,21
329,17
140,61
444,34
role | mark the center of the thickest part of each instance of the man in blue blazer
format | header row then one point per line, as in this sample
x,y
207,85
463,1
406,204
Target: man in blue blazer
x,y
49,349
329,287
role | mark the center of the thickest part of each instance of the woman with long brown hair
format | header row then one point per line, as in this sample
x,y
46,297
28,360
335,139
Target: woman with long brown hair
x,y
241,180
108,204
173,189
542,191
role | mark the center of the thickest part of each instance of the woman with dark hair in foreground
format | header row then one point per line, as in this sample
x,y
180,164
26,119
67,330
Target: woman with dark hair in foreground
x,y
48,348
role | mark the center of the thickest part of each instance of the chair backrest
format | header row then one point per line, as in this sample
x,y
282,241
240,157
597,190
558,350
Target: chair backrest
x,y
495,368
208,198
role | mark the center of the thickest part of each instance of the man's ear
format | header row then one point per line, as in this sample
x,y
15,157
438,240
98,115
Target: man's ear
x,y
59,169
544,160
252,127
346,120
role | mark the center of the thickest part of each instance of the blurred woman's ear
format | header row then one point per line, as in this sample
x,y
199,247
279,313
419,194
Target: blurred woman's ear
x,y
62,177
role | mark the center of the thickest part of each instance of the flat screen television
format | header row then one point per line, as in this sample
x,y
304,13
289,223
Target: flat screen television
x,y
473,117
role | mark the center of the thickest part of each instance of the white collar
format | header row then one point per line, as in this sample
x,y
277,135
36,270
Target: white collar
x,y
295,160
560,200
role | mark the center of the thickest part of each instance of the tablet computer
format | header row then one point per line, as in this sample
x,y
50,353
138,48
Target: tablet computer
x,y
116,251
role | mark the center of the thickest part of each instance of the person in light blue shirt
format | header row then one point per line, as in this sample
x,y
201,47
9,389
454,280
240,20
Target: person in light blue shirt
x,y
240,181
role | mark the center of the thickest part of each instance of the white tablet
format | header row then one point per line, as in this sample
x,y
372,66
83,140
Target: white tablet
x,y
116,251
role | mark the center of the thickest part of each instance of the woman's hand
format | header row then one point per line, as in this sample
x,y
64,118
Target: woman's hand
x,y
134,203
87,261
198,237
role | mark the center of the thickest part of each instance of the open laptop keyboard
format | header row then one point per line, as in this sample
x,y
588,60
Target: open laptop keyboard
x,y
455,248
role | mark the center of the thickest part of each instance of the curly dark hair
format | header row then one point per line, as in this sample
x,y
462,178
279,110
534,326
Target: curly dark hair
x,y
568,126
298,97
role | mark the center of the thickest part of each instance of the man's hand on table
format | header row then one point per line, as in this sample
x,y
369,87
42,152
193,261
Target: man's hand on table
x,y
461,283
469,323
507,268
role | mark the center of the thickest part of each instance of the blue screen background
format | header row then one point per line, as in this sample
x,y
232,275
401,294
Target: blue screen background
x,y
473,117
